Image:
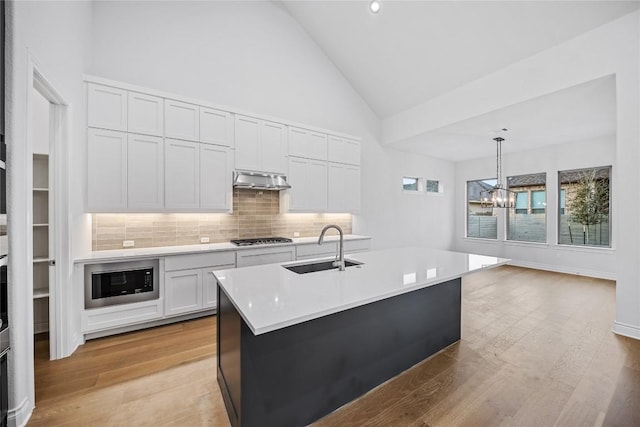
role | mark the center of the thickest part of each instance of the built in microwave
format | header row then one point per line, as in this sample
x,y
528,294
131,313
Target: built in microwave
x,y
120,283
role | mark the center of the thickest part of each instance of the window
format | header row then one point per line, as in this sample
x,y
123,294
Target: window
x,y
433,186
410,184
522,202
481,222
585,198
538,202
528,221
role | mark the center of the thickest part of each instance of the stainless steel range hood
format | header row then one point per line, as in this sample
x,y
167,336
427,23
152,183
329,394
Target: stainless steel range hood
x,y
260,181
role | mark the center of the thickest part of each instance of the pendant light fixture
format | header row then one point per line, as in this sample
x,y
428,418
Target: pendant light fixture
x,y
499,196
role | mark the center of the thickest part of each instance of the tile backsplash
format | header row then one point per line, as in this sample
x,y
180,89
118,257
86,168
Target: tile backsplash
x,y
255,214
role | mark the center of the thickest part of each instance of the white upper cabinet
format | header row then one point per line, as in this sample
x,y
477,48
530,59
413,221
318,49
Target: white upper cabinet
x,y
106,171
343,188
181,120
216,192
145,114
260,145
182,175
145,173
342,150
308,179
216,127
247,130
107,107
273,147
307,144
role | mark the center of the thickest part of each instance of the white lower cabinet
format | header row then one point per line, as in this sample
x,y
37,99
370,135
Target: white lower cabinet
x,y
189,285
249,257
183,291
115,316
330,248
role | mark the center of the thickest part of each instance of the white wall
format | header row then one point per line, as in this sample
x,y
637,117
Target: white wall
x,y
596,262
56,36
613,48
254,56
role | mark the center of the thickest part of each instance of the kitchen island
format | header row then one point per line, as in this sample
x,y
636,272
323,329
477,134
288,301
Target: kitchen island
x,y
294,347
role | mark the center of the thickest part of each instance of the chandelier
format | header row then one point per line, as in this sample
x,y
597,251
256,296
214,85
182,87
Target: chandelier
x,y
499,196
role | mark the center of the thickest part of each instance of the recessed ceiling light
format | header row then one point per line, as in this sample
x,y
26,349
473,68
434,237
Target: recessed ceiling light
x,y
374,6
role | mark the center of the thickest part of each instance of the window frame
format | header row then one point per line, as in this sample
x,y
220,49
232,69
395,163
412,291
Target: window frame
x,y
467,212
530,211
560,244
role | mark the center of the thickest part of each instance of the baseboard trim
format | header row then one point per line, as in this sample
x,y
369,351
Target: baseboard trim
x,y
626,330
567,270
19,416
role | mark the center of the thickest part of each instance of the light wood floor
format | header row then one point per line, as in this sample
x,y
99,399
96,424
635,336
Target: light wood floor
x,y
536,350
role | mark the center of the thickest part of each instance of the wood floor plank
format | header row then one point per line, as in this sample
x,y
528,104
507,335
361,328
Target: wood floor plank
x,y
536,350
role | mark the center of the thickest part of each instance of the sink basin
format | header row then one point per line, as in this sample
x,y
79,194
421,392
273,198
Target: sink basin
x,y
318,266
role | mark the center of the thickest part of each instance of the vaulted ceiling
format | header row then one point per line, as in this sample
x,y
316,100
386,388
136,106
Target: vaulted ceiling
x,y
413,51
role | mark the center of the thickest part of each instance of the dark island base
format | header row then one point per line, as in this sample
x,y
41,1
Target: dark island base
x,y
296,375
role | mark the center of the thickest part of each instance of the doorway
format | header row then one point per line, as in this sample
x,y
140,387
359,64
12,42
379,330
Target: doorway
x,y
47,132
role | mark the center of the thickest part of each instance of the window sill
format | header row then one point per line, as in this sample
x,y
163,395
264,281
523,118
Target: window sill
x,y
481,240
587,249
526,244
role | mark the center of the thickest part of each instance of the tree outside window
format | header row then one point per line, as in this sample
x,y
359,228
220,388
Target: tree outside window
x,y
584,218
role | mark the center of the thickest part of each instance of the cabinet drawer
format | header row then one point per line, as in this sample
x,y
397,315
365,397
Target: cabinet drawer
x,y
98,319
208,259
251,257
314,250
357,245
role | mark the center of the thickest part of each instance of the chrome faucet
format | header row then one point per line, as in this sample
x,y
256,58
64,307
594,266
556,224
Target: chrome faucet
x,y
339,262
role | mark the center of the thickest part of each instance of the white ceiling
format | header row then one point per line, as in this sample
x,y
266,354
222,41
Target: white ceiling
x,y
583,112
416,50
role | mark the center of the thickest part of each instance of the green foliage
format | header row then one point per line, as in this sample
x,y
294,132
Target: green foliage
x,y
590,203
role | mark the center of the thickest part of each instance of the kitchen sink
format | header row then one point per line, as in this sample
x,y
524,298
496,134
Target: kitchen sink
x,y
312,267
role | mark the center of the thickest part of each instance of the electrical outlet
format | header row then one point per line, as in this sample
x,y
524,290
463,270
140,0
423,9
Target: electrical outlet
x,y
296,234
204,240
128,243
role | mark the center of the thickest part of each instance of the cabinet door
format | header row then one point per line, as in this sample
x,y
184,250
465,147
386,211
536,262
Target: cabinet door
x,y
353,193
317,186
145,172
342,150
182,175
317,146
337,188
145,114
107,107
307,144
106,171
215,127
183,292
272,147
247,134
182,120
210,288
216,191
298,142
298,179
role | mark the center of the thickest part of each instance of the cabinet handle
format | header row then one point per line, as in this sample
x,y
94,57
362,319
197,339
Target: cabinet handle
x,y
52,262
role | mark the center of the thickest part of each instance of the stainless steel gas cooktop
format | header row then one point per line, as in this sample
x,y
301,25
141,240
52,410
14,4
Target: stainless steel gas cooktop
x,y
261,241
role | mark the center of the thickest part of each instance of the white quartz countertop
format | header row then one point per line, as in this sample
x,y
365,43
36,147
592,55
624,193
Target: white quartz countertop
x,y
126,254
270,297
